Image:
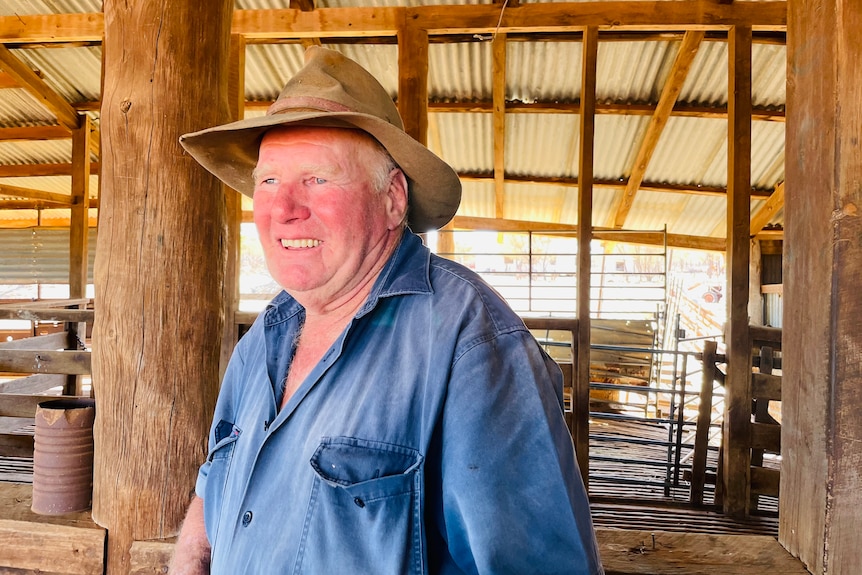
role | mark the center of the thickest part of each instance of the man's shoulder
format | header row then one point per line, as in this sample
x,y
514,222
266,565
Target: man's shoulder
x,y
461,286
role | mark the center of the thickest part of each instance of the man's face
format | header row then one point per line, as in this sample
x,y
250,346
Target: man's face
x,y
325,227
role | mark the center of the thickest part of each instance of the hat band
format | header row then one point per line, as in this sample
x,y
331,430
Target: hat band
x,y
291,103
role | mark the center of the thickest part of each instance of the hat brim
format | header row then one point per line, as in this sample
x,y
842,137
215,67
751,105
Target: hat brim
x,y
230,152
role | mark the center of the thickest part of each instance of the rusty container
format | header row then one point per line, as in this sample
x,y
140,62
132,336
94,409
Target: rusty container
x,y
63,456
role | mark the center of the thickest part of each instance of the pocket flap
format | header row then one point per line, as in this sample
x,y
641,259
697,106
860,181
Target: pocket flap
x,y
349,460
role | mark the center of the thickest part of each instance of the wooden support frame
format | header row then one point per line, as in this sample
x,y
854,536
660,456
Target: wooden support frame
x,y
737,455
413,82
673,86
585,217
498,48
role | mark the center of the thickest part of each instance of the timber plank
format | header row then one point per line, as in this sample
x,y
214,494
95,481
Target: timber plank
x,y
766,386
57,340
73,362
51,549
40,383
15,502
16,425
16,445
21,405
765,481
632,552
150,557
766,436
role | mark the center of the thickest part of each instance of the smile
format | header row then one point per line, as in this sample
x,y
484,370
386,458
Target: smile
x,y
299,244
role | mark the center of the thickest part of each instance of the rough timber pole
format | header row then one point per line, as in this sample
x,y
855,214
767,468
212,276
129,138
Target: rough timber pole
x,y
821,430
159,266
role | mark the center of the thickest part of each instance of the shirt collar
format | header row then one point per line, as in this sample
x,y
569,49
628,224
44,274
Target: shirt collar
x,y
406,272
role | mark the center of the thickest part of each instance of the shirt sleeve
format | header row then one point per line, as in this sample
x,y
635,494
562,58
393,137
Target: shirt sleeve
x,y
512,498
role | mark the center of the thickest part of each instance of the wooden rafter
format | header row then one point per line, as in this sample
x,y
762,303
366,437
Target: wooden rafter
x,y
16,192
464,19
679,72
66,115
636,237
616,15
35,133
586,156
499,93
35,170
768,210
736,457
613,184
541,107
413,82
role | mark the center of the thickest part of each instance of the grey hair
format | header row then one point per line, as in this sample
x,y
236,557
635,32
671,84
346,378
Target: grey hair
x,y
381,168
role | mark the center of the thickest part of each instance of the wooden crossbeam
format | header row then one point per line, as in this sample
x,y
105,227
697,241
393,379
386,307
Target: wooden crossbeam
x,y
28,361
498,49
36,547
679,72
16,192
66,115
611,184
35,170
767,210
680,110
634,237
465,19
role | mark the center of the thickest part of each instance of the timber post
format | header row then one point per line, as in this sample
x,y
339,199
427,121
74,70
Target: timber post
x,y
821,431
160,265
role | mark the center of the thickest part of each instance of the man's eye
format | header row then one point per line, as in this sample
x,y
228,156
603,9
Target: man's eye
x,y
319,181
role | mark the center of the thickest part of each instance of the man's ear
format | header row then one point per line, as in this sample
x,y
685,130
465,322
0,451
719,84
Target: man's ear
x,y
396,198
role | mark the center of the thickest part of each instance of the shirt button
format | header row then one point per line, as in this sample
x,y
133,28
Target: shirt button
x,y
359,502
246,518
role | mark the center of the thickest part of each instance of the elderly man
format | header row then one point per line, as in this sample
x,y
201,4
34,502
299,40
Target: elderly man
x,y
388,413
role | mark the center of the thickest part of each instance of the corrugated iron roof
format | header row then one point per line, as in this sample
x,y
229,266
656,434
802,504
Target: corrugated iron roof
x,y
692,151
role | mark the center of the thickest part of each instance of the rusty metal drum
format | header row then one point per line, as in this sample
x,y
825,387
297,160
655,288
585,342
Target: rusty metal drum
x,y
63,456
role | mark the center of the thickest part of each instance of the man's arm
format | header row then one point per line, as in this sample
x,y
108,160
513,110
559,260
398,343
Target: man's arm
x,y
192,551
511,491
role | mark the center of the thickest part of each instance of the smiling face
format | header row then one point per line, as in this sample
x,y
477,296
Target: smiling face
x,y
328,209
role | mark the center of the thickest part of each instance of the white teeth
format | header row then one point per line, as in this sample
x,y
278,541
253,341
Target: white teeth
x,y
303,243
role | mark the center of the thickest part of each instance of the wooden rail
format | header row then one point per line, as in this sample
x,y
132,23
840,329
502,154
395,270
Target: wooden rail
x,y
764,430
39,364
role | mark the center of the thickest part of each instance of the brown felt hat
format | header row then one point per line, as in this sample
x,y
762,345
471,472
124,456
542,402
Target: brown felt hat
x,y
332,90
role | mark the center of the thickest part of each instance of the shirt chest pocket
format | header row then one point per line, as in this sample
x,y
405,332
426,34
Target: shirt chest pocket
x,y
366,470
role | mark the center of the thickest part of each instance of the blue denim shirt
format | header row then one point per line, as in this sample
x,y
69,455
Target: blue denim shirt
x,y
429,439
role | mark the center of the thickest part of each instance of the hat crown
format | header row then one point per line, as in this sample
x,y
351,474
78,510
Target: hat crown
x,y
331,82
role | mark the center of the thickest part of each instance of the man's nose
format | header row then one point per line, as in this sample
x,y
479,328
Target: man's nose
x,y
290,204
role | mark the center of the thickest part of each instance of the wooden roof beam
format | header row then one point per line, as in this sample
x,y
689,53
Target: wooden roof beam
x,y
679,72
611,184
35,133
678,110
66,115
498,49
487,106
634,237
35,170
27,193
774,203
610,15
467,19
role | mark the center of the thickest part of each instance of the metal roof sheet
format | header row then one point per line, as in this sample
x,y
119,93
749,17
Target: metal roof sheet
x,y
691,151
